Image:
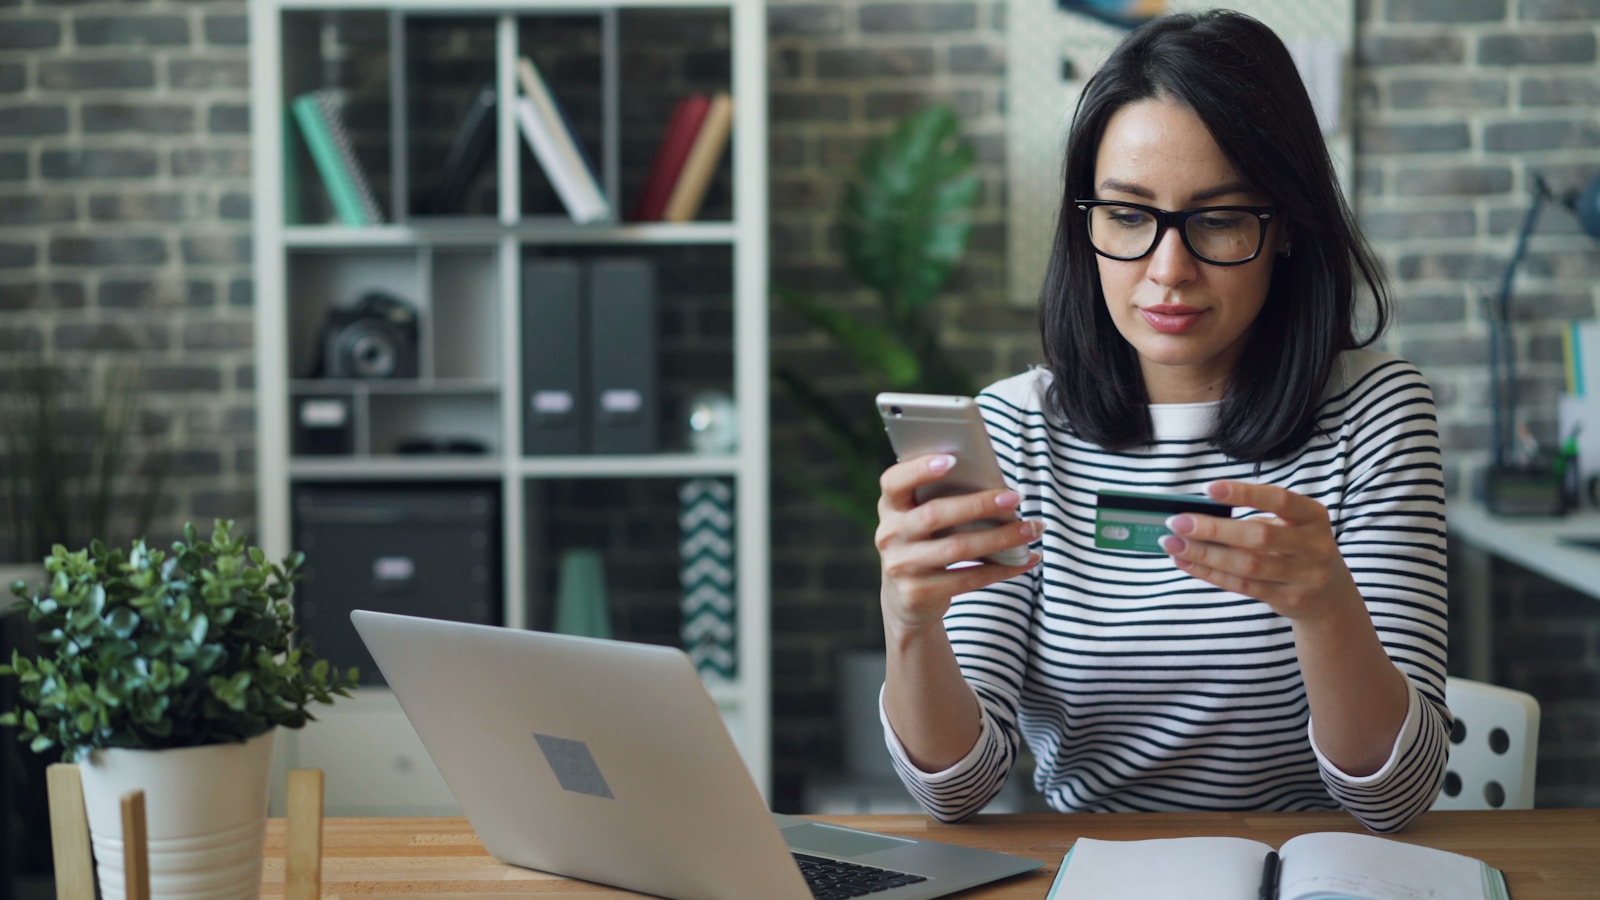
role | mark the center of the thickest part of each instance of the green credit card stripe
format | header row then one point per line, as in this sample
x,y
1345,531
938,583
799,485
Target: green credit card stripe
x,y
1126,517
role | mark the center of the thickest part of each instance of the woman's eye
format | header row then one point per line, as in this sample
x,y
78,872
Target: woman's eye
x,y
1220,221
1128,218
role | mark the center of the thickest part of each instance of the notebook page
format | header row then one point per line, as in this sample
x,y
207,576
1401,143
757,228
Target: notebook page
x,y
1204,868
1335,866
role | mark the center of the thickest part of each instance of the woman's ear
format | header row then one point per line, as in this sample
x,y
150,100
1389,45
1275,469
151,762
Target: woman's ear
x,y
1286,245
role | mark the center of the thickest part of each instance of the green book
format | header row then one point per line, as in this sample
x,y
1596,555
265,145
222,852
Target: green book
x,y
322,126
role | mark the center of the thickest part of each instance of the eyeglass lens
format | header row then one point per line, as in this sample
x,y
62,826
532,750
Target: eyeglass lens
x,y
1218,235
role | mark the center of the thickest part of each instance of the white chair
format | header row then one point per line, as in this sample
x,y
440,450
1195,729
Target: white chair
x,y
1494,747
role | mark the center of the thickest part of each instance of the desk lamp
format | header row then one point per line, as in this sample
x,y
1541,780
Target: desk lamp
x,y
1528,487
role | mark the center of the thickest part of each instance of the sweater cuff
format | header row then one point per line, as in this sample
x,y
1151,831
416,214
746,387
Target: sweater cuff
x,y
961,767
1402,742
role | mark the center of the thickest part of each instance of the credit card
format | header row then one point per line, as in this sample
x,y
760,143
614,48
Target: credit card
x,y
1134,521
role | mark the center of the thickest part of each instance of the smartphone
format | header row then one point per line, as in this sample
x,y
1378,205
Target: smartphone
x,y
920,424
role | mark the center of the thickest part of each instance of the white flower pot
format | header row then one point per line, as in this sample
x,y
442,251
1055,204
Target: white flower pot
x,y
205,813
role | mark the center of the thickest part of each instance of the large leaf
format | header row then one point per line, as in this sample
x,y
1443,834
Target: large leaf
x,y
877,350
906,213
860,452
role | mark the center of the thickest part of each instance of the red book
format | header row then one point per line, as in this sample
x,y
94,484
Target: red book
x,y
679,136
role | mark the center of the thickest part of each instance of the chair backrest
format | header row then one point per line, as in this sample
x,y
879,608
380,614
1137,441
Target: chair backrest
x,y
1494,747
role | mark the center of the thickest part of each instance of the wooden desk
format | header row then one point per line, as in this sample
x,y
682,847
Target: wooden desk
x,y
1546,854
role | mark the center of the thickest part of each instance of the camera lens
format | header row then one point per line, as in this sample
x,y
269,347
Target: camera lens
x,y
894,411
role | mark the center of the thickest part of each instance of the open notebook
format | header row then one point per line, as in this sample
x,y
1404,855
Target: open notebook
x,y
1321,866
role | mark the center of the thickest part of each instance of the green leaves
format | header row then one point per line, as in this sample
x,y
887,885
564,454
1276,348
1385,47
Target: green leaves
x,y
145,648
904,222
906,213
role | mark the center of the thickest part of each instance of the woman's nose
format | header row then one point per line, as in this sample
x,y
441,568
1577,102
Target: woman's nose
x,y
1171,262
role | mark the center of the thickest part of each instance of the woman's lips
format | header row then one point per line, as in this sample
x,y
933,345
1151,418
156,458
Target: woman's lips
x,y
1172,319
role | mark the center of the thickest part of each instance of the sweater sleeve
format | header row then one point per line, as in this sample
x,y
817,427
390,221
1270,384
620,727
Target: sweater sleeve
x,y
1390,526
988,630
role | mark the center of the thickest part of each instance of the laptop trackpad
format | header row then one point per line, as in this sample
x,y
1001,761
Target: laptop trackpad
x,y
831,841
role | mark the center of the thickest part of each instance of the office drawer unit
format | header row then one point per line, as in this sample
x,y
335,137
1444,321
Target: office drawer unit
x,y
416,550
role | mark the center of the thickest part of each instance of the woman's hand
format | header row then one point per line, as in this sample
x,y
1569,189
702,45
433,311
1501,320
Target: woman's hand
x,y
918,582
1288,560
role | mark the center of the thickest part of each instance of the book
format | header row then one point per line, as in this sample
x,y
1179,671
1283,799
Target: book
x,y
468,149
1580,352
690,189
676,139
320,115
567,161
1319,866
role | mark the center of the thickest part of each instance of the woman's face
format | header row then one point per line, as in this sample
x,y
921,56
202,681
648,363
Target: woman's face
x,y
1187,319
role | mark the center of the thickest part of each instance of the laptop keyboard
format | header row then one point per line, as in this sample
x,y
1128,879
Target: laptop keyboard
x,y
832,879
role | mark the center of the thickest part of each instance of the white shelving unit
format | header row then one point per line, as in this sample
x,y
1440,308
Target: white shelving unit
x,y
469,377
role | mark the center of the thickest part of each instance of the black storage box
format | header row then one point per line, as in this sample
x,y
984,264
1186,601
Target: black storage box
x,y
428,550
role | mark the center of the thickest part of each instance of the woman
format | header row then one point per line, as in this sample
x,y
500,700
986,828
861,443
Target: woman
x,y
1199,322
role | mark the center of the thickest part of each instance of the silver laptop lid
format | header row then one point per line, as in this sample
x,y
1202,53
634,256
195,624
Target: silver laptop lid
x,y
598,760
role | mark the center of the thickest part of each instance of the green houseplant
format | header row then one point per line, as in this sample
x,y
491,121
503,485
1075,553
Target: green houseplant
x,y
159,667
904,220
73,467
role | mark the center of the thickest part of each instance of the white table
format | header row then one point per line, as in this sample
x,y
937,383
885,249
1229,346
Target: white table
x,y
1542,544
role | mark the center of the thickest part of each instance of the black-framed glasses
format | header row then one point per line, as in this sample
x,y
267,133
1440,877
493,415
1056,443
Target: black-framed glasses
x,y
1219,235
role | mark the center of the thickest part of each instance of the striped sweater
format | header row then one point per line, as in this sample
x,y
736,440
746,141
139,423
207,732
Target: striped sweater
x,y
1140,688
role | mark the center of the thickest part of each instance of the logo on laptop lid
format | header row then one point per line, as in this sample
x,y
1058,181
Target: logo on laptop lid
x,y
574,765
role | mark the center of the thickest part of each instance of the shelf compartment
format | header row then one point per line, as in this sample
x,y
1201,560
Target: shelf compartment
x,y
567,49
667,54
346,52
463,313
322,289
464,420
692,335
634,526
449,106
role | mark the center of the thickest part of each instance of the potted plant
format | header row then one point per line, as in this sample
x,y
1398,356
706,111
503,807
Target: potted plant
x,y
904,220
76,462
168,671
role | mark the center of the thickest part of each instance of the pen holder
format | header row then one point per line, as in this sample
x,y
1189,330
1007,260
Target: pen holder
x,y
1535,490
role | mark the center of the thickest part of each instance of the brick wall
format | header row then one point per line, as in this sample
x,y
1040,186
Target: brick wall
x,y
124,230
125,219
1459,104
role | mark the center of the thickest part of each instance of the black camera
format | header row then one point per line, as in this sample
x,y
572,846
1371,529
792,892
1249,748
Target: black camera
x,y
375,338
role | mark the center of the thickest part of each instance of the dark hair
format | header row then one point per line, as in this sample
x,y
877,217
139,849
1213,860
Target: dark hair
x,y
1238,78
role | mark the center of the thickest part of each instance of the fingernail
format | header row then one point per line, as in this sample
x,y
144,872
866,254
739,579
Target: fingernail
x,y
1217,490
941,462
1180,524
1007,499
1172,543
1033,529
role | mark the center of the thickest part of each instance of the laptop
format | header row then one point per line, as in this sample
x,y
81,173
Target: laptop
x,y
607,761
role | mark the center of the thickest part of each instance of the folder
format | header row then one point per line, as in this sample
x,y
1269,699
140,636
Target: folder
x,y
622,386
552,367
